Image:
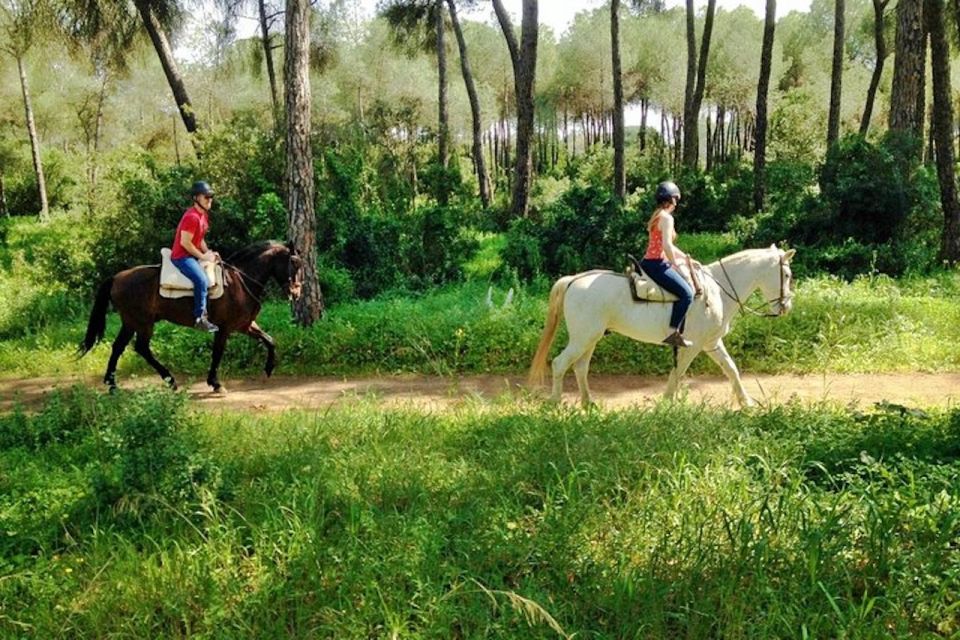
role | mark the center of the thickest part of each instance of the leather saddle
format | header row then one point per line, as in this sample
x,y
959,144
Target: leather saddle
x,y
643,288
173,284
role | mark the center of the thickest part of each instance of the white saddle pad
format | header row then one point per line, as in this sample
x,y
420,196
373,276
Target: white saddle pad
x,y
173,284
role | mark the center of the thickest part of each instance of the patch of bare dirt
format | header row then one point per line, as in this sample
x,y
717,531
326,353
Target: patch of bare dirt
x,y
433,392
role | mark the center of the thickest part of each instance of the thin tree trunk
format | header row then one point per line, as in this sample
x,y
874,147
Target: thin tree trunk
x,y
34,142
763,88
524,58
943,126
836,76
691,81
266,40
3,199
711,142
97,129
298,175
691,124
644,106
483,177
174,79
881,47
908,70
443,115
619,168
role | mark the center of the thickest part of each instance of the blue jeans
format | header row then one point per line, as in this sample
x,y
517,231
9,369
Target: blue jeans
x,y
191,268
667,277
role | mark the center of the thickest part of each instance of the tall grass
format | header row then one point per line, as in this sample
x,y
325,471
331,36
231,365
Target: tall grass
x,y
511,521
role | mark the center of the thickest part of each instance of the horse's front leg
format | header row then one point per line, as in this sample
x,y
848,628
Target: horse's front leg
x,y
719,355
685,356
255,332
219,345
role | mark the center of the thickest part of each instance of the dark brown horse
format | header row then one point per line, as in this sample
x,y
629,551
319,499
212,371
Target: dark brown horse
x,y
135,294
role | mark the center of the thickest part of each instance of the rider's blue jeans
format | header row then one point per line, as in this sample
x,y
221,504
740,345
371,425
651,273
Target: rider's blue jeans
x,y
191,268
667,277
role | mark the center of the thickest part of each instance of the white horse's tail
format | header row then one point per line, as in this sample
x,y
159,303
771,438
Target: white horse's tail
x,y
538,367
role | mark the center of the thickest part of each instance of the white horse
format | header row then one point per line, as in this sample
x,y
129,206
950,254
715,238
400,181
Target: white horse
x,y
597,301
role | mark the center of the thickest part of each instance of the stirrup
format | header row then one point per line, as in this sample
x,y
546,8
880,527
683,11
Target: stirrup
x,y
675,339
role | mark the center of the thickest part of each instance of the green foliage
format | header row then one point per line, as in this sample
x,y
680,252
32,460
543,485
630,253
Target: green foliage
x,y
85,458
512,520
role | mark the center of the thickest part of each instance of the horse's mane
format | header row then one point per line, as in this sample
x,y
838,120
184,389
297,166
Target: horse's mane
x,y
739,256
253,251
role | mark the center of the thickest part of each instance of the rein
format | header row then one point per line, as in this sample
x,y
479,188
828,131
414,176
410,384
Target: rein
x,y
243,281
736,297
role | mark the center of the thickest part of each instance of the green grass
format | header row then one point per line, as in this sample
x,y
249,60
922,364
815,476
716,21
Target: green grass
x,y
490,521
871,325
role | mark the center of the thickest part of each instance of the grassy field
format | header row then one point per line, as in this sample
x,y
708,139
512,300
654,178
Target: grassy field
x,y
133,516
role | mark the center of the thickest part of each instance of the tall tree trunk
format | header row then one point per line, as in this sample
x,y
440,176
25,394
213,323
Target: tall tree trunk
x,y
34,142
691,120
524,58
881,46
836,75
266,40
483,177
691,81
908,70
174,79
619,168
443,104
97,130
763,88
943,126
3,199
298,178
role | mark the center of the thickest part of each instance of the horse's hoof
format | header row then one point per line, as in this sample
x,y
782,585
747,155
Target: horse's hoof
x,y
171,383
112,389
220,390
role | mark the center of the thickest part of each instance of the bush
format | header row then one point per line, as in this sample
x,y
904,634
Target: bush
x,y
584,229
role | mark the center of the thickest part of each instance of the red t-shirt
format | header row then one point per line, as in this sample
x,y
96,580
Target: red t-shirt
x,y
194,221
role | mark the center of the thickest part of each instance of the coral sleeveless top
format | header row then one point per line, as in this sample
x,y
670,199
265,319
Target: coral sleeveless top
x,y
655,246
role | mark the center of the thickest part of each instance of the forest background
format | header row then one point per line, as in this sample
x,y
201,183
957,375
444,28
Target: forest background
x,y
410,182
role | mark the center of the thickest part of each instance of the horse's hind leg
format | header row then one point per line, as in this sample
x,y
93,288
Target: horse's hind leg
x,y
580,369
119,344
142,346
575,350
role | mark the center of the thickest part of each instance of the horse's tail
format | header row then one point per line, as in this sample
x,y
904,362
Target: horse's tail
x,y
98,318
538,367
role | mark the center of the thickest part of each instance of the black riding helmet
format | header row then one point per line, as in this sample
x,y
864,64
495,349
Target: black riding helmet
x,y
200,188
667,191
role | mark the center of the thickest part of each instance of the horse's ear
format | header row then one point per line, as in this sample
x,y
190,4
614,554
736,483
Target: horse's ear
x,y
789,255
291,247
773,246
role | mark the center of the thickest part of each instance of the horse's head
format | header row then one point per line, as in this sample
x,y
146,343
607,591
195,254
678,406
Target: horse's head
x,y
776,285
288,271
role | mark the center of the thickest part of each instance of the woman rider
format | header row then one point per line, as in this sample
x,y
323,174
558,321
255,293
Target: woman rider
x,y
190,247
663,257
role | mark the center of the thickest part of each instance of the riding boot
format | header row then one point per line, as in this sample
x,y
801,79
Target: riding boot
x,y
676,339
203,324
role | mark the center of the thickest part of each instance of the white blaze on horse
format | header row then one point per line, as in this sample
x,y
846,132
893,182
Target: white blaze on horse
x,y
595,302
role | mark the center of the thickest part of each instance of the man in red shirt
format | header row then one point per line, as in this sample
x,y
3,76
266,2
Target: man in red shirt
x,y
190,247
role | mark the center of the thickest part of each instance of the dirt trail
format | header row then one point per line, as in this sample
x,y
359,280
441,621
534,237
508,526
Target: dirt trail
x,y
432,392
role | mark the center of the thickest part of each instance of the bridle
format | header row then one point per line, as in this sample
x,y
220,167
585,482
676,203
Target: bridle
x,y
781,301
293,279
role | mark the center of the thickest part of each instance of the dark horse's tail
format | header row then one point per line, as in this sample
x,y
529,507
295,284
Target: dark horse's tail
x,y
98,318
